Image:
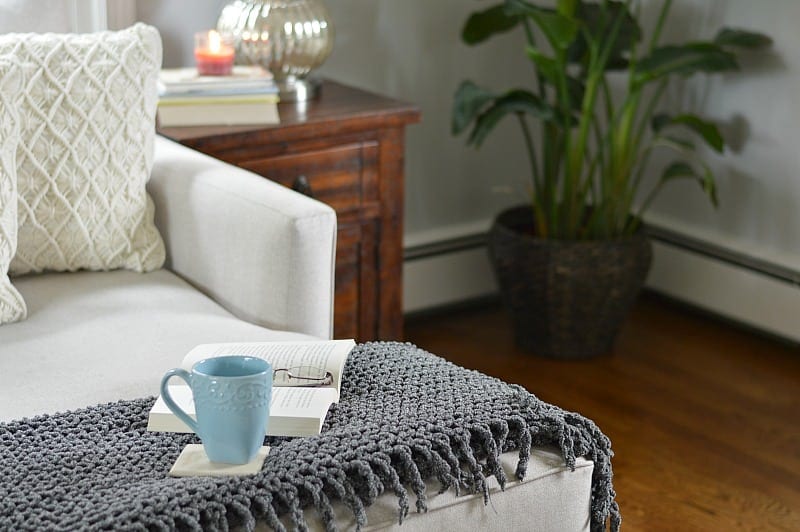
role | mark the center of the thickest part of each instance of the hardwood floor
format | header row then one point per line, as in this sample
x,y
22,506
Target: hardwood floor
x,y
704,417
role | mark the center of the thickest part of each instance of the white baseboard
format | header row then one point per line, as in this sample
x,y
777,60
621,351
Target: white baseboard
x,y
746,296
447,279
728,290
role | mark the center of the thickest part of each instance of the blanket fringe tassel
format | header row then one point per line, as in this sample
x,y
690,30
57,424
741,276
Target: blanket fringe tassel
x,y
463,461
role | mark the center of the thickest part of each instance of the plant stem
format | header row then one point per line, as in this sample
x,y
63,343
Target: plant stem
x,y
575,169
566,110
541,207
607,100
537,181
532,43
551,172
639,166
531,151
662,18
600,67
651,107
649,199
623,150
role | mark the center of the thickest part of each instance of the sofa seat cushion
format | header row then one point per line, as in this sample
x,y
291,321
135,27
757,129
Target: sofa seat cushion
x,y
94,337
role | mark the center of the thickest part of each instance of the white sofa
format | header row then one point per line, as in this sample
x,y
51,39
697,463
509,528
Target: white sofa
x,y
247,260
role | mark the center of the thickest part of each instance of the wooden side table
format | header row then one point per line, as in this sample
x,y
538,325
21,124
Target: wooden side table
x,y
345,149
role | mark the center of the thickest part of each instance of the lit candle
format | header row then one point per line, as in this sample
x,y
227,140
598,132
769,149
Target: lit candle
x,y
213,54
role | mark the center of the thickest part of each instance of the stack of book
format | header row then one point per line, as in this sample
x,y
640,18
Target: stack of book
x,y
248,96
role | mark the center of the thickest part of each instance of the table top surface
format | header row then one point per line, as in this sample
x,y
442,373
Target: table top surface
x,y
336,103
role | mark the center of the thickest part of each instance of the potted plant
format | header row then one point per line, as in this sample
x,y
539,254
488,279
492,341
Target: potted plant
x,y
571,262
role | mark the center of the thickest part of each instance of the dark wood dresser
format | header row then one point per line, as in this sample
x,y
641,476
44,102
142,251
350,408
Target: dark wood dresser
x,y
345,149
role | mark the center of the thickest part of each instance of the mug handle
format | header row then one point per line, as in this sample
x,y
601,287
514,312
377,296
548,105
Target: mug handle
x,y
171,404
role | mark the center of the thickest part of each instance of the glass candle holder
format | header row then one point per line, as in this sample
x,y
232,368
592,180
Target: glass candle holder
x,y
290,38
213,53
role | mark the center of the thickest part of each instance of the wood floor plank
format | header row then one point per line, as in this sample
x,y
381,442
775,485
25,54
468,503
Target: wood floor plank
x,y
704,417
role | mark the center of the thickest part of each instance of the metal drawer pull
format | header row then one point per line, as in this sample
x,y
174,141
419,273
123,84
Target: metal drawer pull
x,y
302,186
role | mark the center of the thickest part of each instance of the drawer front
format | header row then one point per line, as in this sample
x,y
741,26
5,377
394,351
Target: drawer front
x,y
334,175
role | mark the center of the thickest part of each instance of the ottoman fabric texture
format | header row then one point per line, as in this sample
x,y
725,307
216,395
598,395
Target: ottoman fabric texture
x,y
405,416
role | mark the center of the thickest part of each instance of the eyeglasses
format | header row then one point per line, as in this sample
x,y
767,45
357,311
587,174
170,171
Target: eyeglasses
x,y
303,376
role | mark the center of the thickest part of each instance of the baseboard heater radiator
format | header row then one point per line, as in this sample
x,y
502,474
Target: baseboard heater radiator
x,y
750,290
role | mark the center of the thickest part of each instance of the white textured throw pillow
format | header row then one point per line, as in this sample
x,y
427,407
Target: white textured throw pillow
x,y
12,306
87,118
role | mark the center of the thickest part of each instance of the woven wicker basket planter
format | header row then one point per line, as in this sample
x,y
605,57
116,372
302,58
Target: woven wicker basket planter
x,y
567,299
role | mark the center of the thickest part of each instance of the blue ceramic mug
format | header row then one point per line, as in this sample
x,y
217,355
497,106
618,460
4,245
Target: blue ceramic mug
x,y
231,397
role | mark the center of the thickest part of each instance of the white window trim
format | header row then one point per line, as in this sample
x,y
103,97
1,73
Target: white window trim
x,y
87,16
120,13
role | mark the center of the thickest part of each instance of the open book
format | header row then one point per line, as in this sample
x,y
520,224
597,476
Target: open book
x,y
294,410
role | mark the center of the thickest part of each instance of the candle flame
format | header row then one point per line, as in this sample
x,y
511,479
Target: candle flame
x,y
214,41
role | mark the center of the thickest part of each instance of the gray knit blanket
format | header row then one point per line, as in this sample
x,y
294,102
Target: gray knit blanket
x,y
404,416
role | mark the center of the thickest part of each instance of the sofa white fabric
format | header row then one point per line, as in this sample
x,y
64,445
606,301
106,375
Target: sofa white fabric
x,y
258,248
87,119
94,337
12,306
101,336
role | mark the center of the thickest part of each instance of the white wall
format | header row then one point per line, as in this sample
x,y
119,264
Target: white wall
x,y
59,16
178,21
759,178
20,16
411,50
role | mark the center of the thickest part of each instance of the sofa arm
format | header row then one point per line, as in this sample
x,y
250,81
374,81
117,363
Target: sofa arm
x,y
263,251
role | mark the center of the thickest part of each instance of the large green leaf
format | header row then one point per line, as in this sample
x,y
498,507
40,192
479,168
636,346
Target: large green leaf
x,y
684,60
567,7
742,39
677,144
517,102
682,170
547,66
469,101
707,130
559,30
483,24
597,21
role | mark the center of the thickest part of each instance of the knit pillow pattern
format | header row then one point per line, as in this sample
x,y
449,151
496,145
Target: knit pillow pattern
x,y
87,127
12,306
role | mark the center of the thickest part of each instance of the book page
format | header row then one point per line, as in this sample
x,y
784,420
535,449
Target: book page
x,y
293,411
326,355
294,402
